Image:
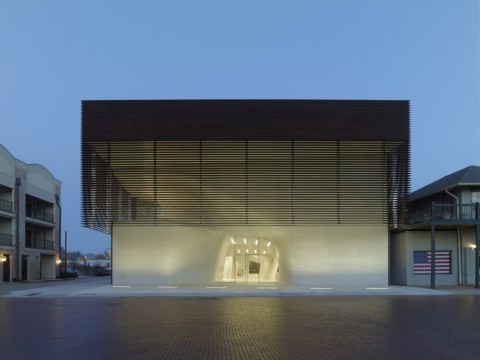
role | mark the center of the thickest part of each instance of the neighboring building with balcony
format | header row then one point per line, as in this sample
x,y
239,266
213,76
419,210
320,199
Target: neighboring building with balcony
x,y
29,220
299,192
447,212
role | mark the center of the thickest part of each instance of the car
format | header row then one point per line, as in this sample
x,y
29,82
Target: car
x,y
70,273
101,271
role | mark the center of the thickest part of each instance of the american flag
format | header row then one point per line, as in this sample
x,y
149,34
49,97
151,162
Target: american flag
x,y
422,262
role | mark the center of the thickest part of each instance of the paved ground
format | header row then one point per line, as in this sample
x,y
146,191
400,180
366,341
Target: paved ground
x,y
78,321
100,286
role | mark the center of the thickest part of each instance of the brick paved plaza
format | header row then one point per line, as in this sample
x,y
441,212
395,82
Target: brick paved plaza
x,y
323,327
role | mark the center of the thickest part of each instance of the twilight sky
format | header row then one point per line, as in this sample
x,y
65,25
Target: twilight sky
x,y
56,53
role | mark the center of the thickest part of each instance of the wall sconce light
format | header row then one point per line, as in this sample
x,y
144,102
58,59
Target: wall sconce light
x,y
473,247
3,258
58,261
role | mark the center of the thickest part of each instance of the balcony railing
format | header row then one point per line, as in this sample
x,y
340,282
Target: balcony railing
x,y
446,214
41,215
6,240
40,244
6,206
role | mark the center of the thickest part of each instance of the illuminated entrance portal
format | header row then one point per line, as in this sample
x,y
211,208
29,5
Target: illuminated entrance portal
x,y
248,260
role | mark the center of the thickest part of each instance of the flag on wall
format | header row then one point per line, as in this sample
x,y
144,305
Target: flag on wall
x,y
422,262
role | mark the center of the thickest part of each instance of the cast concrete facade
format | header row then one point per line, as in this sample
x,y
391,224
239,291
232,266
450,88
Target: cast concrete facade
x,y
322,256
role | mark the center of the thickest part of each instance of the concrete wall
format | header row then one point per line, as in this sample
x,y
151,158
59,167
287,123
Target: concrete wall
x,y
404,244
7,169
398,261
421,240
468,264
40,183
308,255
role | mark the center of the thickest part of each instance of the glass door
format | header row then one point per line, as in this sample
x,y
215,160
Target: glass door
x,y
248,260
247,268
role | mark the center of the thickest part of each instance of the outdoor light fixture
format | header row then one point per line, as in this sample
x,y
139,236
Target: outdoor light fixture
x,y
3,258
58,261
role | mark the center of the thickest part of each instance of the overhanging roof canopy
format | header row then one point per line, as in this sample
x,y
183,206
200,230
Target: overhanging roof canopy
x,y
245,120
244,162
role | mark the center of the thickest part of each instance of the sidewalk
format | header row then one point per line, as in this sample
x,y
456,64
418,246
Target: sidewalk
x,y
103,288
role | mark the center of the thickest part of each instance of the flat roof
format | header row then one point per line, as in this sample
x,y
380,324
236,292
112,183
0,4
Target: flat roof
x,y
183,120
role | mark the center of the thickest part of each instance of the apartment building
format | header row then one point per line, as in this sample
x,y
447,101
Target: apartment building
x,y
30,216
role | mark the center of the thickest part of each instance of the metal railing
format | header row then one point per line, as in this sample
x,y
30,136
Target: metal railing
x,y
445,213
41,215
6,206
40,244
6,239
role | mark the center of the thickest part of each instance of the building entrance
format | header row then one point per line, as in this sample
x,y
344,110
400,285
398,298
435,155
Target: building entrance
x,y
248,268
248,260
6,269
24,267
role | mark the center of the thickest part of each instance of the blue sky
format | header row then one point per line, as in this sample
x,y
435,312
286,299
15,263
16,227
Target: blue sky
x,y
56,53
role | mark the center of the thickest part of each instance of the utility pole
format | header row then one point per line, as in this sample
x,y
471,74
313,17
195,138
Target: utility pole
x,y
57,200
432,250
65,265
477,245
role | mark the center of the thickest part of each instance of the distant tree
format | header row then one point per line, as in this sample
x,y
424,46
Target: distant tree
x,y
100,257
73,255
103,256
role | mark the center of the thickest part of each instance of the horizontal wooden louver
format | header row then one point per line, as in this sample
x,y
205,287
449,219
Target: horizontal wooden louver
x,y
223,183
241,183
315,182
361,186
269,191
246,182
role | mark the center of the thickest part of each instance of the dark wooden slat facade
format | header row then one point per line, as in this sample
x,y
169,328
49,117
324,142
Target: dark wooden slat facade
x,y
244,162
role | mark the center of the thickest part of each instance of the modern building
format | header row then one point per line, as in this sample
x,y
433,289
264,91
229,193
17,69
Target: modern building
x,y
29,220
299,192
443,215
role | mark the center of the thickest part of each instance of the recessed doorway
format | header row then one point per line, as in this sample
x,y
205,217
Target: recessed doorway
x,y
6,269
248,260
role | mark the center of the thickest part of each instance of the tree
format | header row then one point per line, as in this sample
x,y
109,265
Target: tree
x,y
73,255
103,256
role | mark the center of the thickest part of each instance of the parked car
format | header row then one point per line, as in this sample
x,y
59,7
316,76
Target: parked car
x,y
71,273
101,271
